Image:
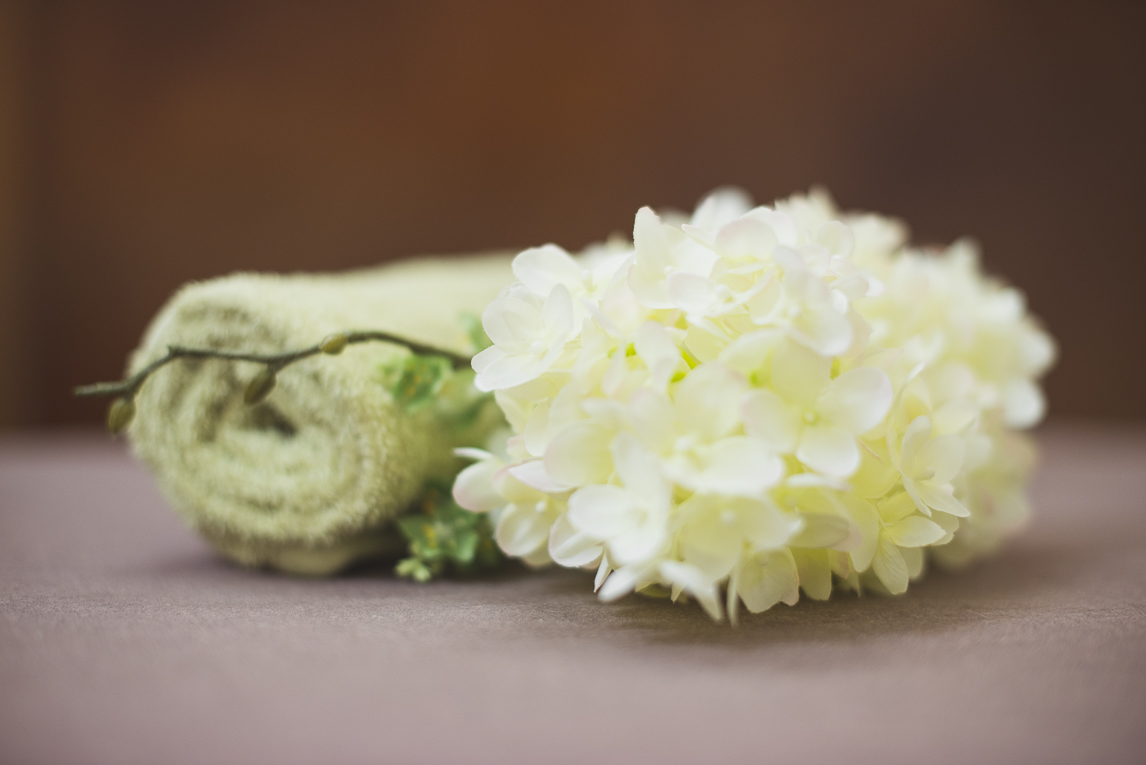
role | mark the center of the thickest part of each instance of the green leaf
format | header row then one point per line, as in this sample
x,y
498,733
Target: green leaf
x,y
414,381
415,569
475,331
441,536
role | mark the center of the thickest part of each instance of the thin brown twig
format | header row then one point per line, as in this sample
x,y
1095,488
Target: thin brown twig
x,y
273,362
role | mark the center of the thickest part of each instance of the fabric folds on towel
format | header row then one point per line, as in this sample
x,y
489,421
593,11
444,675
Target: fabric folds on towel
x,y
305,481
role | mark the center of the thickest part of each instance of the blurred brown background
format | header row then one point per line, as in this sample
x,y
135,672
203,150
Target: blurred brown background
x,y
144,144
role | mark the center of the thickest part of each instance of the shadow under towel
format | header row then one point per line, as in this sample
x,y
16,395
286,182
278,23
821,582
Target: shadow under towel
x,y
305,481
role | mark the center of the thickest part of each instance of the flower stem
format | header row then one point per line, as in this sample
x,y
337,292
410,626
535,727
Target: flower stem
x,y
126,390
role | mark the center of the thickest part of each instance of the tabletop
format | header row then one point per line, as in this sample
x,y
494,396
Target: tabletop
x,y
123,639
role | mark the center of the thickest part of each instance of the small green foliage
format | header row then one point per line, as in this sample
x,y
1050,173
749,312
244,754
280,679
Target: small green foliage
x,y
420,383
260,386
120,415
415,381
414,568
442,535
332,345
475,332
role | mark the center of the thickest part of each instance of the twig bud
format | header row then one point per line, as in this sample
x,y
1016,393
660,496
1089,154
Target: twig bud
x,y
260,387
120,414
334,344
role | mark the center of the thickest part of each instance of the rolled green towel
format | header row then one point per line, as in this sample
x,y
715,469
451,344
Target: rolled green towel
x,y
306,481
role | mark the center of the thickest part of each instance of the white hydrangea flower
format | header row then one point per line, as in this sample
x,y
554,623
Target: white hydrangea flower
x,y
629,518
524,514
528,334
759,402
696,435
817,418
928,465
900,528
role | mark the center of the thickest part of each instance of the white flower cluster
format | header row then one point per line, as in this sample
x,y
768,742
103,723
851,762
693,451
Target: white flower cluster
x,y
755,402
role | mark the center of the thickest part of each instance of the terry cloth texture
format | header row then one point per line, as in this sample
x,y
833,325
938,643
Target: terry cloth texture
x,y
305,481
124,640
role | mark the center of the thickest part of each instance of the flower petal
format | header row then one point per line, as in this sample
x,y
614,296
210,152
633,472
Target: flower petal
x,y
1023,404
543,268
766,579
913,559
652,420
914,531
508,371
942,457
765,527
896,507
702,344
866,519
522,529
782,225
711,545
536,430
650,239
472,453
949,523
720,208
640,472
659,353
579,454
748,352
798,373
601,510
767,417
473,488
641,542
512,322
481,361
875,475
533,473
955,416
917,434
938,499
828,450
740,466
815,573
570,547
707,401
622,581
557,315
856,401
836,238
821,530
818,324
648,286
695,583
825,331
603,572
746,239
890,567
692,293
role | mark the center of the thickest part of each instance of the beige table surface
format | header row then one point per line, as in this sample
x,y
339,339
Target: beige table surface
x,y
123,640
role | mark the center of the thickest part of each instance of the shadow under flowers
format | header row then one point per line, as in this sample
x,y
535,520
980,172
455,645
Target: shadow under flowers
x,y
1016,584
